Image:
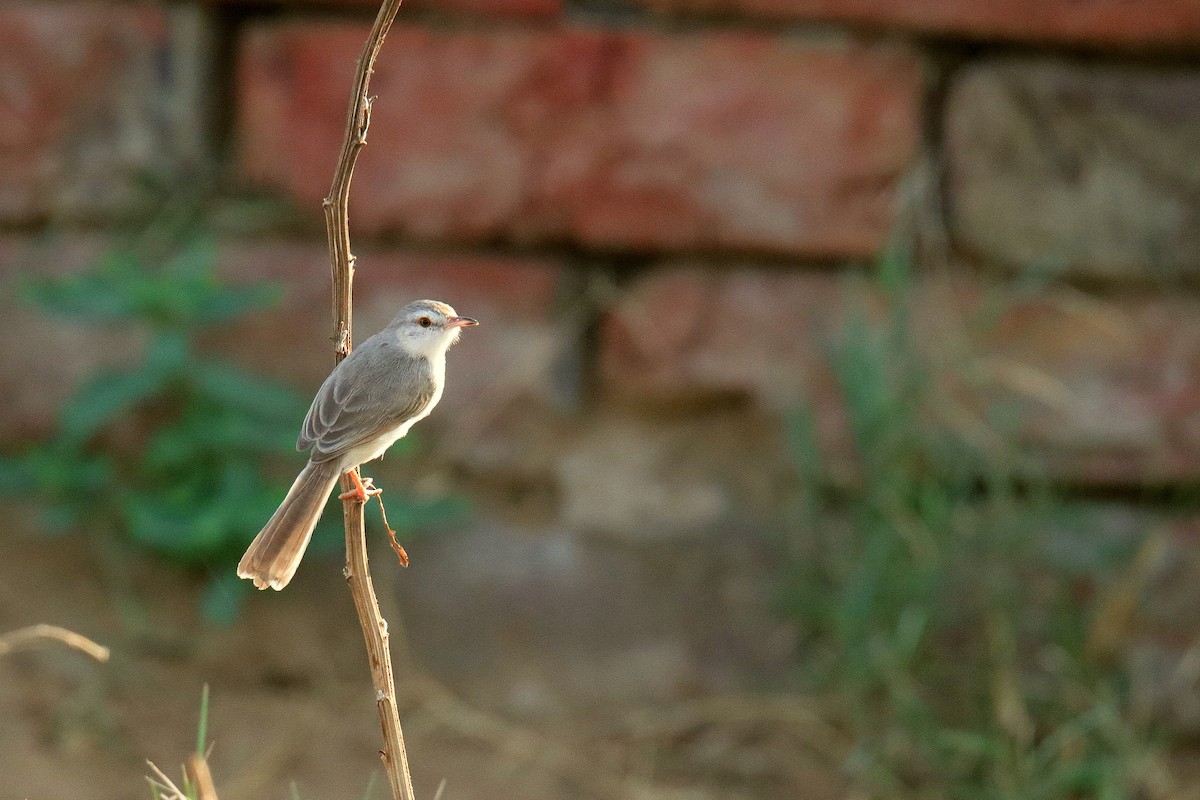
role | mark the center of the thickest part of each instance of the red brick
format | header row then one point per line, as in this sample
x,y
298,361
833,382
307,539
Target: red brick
x,y
1120,22
628,139
511,8
511,297
686,333
78,106
504,8
1105,392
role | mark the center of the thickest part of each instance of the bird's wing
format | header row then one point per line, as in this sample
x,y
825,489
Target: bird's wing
x,y
374,391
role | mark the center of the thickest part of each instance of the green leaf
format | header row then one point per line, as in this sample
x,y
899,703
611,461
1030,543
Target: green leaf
x,y
227,385
107,397
169,354
231,302
60,468
188,533
172,447
91,474
15,476
108,291
196,259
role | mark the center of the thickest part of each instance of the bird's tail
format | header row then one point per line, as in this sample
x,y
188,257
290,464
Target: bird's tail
x,y
273,556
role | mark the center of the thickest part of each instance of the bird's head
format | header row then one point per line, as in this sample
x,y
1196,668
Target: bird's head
x,y
428,327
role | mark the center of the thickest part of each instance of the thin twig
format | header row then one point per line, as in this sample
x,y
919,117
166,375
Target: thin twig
x,y
14,640
398,548
358,575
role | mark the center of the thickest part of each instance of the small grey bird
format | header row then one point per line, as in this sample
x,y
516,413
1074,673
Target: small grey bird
x,y
387,384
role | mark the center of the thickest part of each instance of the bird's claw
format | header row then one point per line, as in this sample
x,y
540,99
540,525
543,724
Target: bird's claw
x,y
364,488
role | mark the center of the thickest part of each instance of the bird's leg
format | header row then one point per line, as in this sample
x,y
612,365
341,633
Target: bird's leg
x,y
362,489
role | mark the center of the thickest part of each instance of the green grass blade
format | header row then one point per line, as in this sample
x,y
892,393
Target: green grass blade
x,y
202,728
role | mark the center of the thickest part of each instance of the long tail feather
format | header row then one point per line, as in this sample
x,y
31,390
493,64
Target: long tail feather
x,y
273,556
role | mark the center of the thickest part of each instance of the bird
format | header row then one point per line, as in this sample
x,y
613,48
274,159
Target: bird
x,y
391,381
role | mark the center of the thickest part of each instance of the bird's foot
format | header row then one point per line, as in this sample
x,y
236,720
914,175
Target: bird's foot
x,y
364,488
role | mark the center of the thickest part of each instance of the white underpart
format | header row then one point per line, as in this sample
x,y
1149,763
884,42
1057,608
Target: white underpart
x,y
432,347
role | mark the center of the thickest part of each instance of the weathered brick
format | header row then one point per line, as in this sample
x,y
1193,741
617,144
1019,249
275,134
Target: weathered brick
x,y
1108,391
1097,391
1084,168
506,8
620,139
82,103
1100,22
690,336
512,298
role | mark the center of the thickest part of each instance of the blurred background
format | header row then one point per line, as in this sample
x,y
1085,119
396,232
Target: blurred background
x,y
831,430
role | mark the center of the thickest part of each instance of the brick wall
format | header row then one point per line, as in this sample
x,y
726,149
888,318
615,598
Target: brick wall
x,y
664,213
655,207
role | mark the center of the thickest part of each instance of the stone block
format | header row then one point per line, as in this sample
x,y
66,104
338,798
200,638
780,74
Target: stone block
x,y
1084,169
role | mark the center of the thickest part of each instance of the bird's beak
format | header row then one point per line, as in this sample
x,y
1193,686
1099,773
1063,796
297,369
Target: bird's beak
x,y
460,322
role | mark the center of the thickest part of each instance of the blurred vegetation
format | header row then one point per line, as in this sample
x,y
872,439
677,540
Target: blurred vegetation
x,y
938,597
182,453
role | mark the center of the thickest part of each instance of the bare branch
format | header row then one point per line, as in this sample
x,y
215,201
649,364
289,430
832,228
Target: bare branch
x,y
341,260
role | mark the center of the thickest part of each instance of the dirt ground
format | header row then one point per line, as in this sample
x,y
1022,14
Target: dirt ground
x,y
292,705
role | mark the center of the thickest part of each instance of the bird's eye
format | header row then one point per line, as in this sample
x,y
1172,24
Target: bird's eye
x,y
424,322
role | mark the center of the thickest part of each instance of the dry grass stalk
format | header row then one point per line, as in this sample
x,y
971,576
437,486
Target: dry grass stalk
x,y
23,637
358,575
198,779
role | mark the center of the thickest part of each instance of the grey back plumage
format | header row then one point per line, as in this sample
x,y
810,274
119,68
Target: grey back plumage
x,y
375,389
